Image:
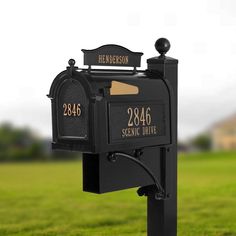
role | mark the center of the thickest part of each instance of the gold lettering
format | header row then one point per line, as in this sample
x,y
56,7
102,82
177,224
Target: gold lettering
x,y
107,59
139,115
99,58
117,60
113,59
120,61
130,132
126,60
155,130
149,130
123,133
72,109
139,123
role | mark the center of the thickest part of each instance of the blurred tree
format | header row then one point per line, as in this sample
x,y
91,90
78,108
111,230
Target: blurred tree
x,y
18,144
202,142
21,144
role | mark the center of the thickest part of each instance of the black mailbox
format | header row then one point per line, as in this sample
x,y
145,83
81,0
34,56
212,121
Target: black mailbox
x,y
98,111
111,113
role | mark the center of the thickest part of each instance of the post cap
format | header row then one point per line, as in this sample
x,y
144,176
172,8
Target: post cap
x,y
162,45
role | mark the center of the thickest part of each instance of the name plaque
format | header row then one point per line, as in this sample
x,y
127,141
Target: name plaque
x,y
112,55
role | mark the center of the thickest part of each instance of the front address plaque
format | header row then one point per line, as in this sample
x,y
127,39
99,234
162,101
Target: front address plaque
x,y
136,120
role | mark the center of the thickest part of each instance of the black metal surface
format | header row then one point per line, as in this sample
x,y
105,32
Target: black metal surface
x,y
159,191
100,175
74,127
104,117
99,130
112,55
162,215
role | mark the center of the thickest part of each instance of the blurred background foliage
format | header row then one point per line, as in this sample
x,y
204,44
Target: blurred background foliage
x,y
202,142
23,144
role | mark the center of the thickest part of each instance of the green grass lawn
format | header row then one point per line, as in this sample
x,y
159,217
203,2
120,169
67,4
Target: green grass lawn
x,y
47,199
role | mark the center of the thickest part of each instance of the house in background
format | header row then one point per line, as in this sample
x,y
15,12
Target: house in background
x,y
223,134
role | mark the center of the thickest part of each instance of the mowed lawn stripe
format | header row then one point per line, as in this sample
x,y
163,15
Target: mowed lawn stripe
x,y
47,199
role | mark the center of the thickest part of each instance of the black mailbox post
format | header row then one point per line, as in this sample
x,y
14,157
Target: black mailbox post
x,y
125,123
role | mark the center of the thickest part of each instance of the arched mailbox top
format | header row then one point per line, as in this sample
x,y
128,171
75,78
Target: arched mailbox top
x,y
63,77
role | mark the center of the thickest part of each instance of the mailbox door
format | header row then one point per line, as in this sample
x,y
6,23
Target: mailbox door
x,y
72,111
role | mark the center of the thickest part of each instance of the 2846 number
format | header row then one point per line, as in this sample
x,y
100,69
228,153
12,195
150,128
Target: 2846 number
x,y
72,109
139,116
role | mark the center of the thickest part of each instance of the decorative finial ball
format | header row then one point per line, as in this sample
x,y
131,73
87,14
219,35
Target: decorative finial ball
x,y
162,45
71,62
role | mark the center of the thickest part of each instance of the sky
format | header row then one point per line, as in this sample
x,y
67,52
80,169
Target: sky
x,y
38,37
